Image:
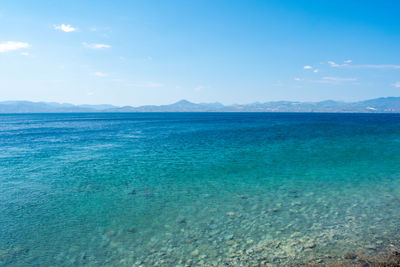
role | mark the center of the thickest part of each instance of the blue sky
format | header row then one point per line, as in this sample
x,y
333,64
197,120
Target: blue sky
x,y
158,52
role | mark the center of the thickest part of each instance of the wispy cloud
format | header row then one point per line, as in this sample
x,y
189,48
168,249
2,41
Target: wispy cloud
x,y
154,84
24,54
99,74
147,84
397,84
278,84
333,64
12,46
339,79
328,80
377,66
363,66
316,70
64,28
307,67
96,46
200,87
99,29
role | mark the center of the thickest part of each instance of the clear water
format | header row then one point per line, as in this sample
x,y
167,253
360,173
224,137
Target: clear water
x,y
203,189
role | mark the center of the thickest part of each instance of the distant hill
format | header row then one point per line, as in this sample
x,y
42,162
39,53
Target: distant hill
x,y
378,105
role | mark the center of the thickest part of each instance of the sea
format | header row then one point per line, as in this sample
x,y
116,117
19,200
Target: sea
x,y
197,189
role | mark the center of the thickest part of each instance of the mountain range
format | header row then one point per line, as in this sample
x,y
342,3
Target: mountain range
x,y
378,105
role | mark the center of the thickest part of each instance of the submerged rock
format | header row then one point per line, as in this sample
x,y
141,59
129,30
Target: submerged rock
x,y
371,246
111,233
132,192
195,252
350,256
296,234
310,245
181,220
234,214
132,230
229,237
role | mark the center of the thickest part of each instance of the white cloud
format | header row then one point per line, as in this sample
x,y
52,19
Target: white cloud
x,y
339,79
200,87
278,84
379,66
307,67
363,66
333,64
12,46
99,74
99,29
96,46
397,84
316,70
147,84
90,93
64,28
24,54
153,84
330,80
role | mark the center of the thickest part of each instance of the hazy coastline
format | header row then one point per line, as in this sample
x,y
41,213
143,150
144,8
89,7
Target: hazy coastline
x,y
378,105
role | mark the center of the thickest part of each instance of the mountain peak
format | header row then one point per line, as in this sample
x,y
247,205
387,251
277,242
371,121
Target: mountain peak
x,y
183,102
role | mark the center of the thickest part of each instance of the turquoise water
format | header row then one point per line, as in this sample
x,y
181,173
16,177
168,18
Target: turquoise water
x,y
199,189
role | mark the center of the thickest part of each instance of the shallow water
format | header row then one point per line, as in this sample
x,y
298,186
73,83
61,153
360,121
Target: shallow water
x,y
197,188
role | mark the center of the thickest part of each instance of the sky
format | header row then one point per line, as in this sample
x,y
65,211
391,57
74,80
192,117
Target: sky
x,y
159,52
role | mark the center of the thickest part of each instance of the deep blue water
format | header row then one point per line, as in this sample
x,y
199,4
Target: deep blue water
x,y
206,189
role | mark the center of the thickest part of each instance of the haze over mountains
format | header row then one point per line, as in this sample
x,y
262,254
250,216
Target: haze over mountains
x,y
378,105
